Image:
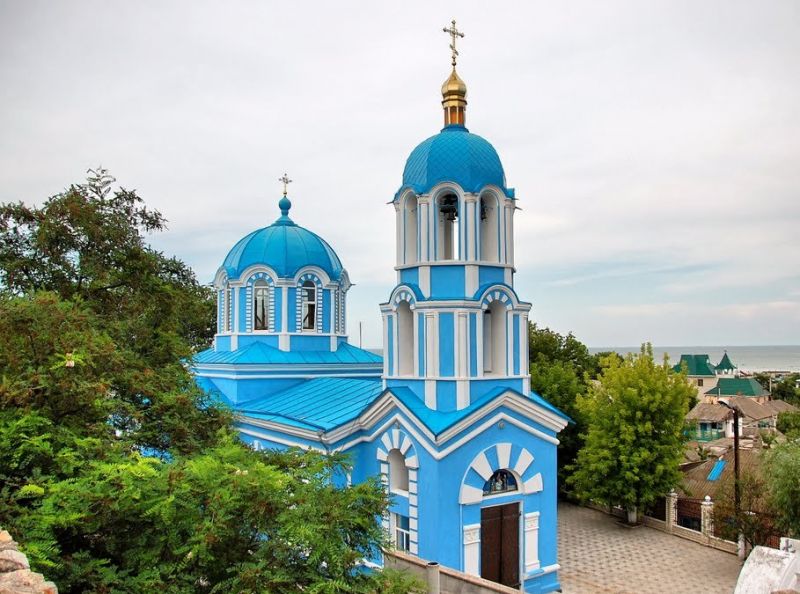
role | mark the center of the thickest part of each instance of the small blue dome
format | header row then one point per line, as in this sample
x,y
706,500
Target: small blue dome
x,y
454,155
285,247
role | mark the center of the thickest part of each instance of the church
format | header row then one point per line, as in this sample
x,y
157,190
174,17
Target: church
x,y
446,417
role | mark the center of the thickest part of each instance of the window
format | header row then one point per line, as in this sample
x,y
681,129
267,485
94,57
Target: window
x,y
502,481
260,305
699,382
309,297
489,229
405,339
402,532
410,228
398,472
494,339
448,227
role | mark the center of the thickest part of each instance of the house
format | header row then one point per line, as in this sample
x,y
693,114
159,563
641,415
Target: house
x,y
728,387
700,371
446,418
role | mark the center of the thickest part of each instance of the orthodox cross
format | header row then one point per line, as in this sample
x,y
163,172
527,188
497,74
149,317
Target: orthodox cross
x,y
286,181
454,33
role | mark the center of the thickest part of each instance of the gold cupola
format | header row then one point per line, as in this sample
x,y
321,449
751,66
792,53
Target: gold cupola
x,y
454,90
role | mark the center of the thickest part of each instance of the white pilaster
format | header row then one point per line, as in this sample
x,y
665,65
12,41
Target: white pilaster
x,y
479,343
472,548
471,277
398,227
424,228
531,541
385,345
510,341
425,280
415,319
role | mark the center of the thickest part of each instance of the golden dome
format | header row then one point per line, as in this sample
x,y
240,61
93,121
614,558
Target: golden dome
x,y
454,86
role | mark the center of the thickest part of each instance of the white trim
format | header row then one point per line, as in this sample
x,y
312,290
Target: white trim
x,y
280,440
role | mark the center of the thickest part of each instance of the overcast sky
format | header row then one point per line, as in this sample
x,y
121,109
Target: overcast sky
x,y
654,146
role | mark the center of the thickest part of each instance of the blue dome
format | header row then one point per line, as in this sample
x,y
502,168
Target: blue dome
x,y
286,248
458,156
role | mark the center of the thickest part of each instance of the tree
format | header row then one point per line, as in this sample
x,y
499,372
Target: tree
x,y
783,483
96,327
753,520
227,520
561,368
789,424
634,440
558,383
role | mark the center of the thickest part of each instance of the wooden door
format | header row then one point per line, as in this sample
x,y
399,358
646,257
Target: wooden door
x,y
500,544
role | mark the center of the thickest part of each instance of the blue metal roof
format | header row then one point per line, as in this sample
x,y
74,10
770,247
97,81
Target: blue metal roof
x,y
438,421
285,247
716,470
262,354
455,155
316,404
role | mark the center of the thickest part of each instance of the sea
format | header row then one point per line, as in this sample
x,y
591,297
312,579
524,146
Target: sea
x,y
746,358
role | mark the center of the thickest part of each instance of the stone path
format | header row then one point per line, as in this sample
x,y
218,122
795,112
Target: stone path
x,y
598,555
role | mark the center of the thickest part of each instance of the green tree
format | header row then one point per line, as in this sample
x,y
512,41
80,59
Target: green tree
x,y
783,483
786,389
96,327
789,424
634,440
561,368
753,520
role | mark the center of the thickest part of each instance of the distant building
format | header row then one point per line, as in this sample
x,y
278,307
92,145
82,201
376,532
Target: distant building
x,y
700,371
728,387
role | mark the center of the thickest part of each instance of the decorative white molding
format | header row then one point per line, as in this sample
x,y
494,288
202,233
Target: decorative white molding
x,y
472,548
531,539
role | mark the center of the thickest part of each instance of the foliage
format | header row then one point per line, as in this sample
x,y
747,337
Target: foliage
x,y
634,440
789,424
783,483
227,520
559,384
754,520
545,345
786,389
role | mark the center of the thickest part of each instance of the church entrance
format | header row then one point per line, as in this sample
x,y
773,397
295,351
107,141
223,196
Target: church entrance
x,y
500,544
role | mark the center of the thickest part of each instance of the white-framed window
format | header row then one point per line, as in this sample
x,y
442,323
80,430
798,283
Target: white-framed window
x,y
309,296
398,472
261,305
401,532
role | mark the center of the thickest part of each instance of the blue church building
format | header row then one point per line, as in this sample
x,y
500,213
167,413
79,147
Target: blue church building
x,y
446,417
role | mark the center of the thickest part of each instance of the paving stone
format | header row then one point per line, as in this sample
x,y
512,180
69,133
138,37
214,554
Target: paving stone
x,y
599,555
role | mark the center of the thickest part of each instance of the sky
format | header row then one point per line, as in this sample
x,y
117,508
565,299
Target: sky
x,y
654,146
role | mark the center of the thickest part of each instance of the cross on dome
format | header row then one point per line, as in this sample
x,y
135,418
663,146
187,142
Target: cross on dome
x,y
454,34
286,181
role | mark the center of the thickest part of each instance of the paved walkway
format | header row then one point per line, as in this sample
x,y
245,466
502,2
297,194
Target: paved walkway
x,y
598,555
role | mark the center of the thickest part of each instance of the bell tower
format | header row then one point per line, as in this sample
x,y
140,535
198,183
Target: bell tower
x,y
454,329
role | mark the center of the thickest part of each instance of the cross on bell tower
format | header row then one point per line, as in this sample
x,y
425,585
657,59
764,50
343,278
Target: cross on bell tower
x,y
454,34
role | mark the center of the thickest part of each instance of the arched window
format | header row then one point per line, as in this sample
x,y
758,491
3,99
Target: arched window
x,y
261,305
448,227
398,472
309,296
405,339
410,230
494,339
489,230
502,481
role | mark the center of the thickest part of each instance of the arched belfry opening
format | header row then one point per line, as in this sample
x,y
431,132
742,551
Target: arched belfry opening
x,y
405,339
448,212
489,229
410,224
260,305
309,313
494,339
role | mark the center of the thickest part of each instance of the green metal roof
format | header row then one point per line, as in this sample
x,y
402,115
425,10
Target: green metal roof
x,y
741,386
725,363
696,365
